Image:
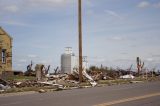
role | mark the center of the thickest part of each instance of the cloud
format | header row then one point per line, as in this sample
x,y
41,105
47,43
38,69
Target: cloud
x,y
11,8
123,60
143,4
157,5
22,5
7,6
113,13
32,56
89,3
48,2
15,23
156,55
38,46
23,60
124,53
97,59
146,4
46,61
150,59
19,65
117,38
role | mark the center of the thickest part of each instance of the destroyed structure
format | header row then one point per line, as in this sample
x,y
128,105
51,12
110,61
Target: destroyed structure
x,y
41,72
6,52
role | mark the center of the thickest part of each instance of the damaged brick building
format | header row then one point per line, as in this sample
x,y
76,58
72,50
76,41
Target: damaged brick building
x,y
6,52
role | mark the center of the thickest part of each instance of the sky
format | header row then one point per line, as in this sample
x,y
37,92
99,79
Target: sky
x,y
115,32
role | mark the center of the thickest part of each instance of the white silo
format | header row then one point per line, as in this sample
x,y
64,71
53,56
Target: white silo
x,y
68,61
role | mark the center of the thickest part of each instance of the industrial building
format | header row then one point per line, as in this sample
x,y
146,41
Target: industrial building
x,y
70,62
6,51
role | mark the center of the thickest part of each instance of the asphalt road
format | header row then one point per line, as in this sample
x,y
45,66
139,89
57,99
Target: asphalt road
x,y
141,94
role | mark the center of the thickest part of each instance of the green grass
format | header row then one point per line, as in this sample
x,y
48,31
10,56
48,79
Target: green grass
x,y
117,81
21,78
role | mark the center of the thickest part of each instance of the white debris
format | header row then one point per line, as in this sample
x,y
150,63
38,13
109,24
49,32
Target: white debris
x,y
129,76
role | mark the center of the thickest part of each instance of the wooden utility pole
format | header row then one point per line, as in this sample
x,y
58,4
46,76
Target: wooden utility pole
x,y
80,38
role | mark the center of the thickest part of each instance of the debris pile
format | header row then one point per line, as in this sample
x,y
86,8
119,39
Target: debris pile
x,y
58,81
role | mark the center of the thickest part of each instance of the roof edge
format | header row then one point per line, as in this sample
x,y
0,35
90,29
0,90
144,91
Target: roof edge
x,y
5,32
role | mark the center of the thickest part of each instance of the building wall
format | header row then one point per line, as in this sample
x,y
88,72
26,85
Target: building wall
x,y
5,51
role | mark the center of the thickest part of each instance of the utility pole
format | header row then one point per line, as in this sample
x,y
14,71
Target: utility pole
x,y
80,38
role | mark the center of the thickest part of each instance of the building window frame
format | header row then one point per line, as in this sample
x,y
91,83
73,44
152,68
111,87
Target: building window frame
x,y
3,56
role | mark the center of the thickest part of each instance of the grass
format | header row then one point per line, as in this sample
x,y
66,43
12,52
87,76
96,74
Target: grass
x,y
113,82
21,78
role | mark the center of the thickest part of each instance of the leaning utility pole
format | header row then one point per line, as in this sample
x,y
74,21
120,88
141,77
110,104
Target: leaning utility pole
x,y
80,38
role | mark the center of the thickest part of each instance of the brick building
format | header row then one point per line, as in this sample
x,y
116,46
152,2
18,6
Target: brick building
x,y
5,51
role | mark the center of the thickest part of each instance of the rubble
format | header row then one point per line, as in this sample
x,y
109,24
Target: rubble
x,y
42,81
4,86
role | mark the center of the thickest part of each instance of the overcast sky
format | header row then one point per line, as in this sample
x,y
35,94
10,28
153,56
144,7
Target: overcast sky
x,y
115,32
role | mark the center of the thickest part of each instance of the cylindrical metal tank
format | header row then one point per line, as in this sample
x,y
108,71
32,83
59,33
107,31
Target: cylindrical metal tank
x,y
68,61
65,63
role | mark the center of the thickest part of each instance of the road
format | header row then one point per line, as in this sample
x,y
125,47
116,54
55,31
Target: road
x,y
140,94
